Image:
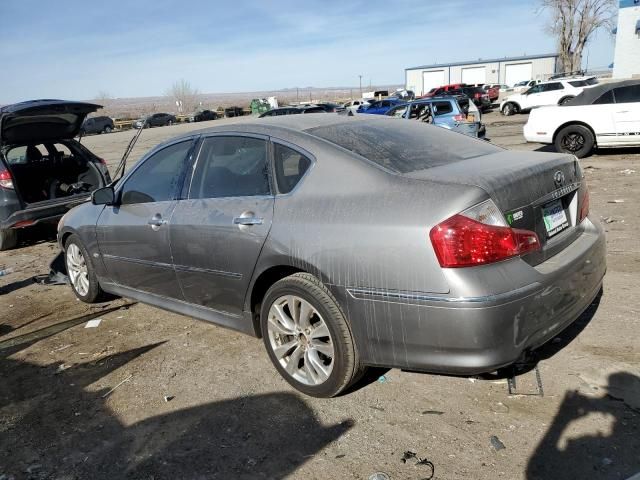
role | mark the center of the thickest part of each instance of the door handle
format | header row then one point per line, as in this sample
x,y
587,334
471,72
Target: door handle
x,y
248,221
156,221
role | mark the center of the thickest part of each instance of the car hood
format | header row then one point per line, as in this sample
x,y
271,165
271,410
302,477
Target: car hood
x,y
42,120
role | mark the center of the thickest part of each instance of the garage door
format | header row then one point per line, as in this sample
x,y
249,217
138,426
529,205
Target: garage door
x,y
473,75
517,72
434,78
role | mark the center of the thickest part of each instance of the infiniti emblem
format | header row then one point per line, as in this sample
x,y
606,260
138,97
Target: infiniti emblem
x,y
558,177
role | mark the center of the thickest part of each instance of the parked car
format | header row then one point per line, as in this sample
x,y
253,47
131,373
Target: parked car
x,y
555,92
328,107
277,112
97,125
493,91
404,95
43,170
500,86
443,90
524,85
231,112
203,116
477,94
353,105
607,115
347,241
155,120
453,113
379,107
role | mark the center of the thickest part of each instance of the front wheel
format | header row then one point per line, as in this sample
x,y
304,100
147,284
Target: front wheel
x,y
107,129
80,270
509,109
577,140
307,336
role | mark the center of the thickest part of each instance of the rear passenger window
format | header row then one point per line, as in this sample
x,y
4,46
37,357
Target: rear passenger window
x,y
605,98
231,167
578,83
630,94
442,108
290,167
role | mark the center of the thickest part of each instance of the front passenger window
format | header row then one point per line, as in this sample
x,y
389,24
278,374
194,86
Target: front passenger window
x,y
158,178
231,167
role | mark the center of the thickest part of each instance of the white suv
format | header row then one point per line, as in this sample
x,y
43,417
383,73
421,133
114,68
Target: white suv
x,y
553,92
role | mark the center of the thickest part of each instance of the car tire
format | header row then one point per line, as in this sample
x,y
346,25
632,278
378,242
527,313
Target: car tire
x,y
8,239
325,364
565,100
107,129
82,276
509,109
577,140
170,122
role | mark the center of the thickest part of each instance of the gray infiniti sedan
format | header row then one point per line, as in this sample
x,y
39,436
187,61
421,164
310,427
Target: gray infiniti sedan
x,y
347,242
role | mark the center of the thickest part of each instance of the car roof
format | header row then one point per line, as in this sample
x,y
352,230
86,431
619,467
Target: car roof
x,y
589,95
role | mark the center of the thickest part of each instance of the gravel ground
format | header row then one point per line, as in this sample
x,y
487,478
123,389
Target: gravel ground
x,y
151,395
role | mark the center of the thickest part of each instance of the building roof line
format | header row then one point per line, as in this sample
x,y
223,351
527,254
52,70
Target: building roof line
x,y
490,60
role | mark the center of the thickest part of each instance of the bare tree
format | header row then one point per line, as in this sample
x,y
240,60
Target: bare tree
x,y
574,22
188,97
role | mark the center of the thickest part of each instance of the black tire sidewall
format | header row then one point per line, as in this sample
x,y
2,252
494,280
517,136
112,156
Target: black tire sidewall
x,y
8,239
336,381
95,292
589,140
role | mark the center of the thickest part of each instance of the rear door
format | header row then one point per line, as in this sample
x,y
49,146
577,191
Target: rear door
x,y
217,232
626,114
133,236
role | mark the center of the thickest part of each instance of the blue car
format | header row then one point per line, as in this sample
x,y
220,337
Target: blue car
x,y
455,113
379,107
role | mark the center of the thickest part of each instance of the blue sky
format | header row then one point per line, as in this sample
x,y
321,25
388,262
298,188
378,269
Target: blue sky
x,y
75,49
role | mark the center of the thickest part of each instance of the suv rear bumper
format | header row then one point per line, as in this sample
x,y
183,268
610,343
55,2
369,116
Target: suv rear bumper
x,y
48,212
471,335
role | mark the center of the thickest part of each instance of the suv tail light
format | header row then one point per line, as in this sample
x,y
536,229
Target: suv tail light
x,y
478,236
460,118
6,181
584,209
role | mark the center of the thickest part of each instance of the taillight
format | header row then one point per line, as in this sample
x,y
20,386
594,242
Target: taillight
x,y
584,209
478,236
460,118
103,161
5,178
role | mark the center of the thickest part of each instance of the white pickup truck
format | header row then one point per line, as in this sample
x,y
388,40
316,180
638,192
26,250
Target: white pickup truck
x,y
607,115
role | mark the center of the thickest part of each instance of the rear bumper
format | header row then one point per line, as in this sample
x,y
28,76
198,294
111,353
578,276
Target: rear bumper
x,y
470,335
40,214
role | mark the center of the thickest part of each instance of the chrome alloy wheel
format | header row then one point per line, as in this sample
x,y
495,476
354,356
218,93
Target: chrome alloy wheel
x,y
77,270
300,340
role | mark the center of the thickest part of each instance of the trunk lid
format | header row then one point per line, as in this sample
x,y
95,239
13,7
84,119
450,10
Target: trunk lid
x,y
541,192
42,120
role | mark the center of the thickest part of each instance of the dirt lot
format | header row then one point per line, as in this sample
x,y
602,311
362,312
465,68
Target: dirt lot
x,y
149,394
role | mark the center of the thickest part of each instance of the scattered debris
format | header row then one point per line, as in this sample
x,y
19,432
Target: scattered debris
x,y
500,407
432,412
93,323
64,347
496,443
617,200
610,220
168,398
379,476
123,381
627,171
472,379
5,271
61,368
382,379
33,468
591,167
374,407
422,462
342,455
606,461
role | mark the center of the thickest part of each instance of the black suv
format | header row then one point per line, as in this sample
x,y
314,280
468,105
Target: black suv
x,y
44,172
97,125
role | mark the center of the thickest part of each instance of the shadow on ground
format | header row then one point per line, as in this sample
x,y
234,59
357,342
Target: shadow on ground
x,y
52,427
601,152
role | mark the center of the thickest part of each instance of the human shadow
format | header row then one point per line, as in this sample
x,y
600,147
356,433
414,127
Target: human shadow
x,y
600,152
17,285
56,427
561,454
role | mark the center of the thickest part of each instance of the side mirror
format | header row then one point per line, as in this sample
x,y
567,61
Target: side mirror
x,y
103,196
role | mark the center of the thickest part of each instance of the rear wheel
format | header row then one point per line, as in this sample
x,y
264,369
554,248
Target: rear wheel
x,y
107,129
8,239
565,100
80,270
509,109
170,122
307,336
577,140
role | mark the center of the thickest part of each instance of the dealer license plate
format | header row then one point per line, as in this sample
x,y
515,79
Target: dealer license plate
x,y
555,218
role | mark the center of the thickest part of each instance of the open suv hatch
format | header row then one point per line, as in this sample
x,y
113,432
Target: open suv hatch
x,y
44,172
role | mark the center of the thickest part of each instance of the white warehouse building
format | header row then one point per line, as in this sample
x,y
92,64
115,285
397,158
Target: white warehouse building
x,y
626,62
508,70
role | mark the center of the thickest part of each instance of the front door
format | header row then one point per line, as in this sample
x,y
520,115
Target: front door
x,y
133,236
218,232
627,114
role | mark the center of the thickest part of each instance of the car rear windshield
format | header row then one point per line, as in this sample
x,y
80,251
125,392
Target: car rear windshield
x,y
403,147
